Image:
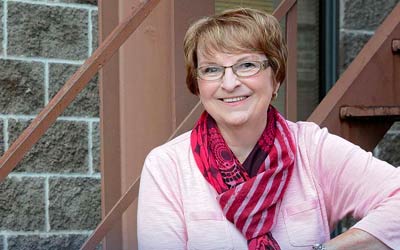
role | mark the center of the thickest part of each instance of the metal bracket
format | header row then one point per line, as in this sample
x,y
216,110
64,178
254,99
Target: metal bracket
x,y
396,46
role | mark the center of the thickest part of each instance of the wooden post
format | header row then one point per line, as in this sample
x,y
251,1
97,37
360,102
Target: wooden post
x,y
147,91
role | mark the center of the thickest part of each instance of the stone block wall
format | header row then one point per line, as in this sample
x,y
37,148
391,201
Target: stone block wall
x,y
52,199
359,20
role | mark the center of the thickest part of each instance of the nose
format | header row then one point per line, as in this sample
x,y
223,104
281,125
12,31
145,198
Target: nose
x,y
229,80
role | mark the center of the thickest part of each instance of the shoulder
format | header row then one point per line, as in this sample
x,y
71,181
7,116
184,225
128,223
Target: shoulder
x,y
315,141
171,152
307,133
301,127
173,146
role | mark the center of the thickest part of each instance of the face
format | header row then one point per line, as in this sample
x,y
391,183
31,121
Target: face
x,y
235,101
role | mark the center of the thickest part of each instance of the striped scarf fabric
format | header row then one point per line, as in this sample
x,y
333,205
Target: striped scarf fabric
x,y
250,192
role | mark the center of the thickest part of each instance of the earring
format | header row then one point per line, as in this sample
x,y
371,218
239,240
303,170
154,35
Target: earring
x,y
274,96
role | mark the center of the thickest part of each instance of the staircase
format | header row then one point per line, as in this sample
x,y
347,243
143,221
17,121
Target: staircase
x,y
365,101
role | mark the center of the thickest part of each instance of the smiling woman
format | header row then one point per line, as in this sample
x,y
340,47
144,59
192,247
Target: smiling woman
x,y
238,104
245,177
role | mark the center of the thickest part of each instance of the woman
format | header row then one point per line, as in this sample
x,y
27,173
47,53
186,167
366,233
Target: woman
x,y
244,177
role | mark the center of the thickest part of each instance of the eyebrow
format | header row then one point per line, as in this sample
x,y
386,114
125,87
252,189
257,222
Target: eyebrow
x,y
241,59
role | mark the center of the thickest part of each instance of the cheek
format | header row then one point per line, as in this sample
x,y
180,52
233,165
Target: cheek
x,y
206,91
202,93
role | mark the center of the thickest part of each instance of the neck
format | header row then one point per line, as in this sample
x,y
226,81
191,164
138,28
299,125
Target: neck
x,y
242,139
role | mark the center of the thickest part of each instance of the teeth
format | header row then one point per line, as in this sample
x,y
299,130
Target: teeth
x,y
234,99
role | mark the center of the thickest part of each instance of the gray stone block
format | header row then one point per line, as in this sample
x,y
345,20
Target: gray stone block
x,y
86,103
351,46
389,148
95,29
96,147
366,14
55,242
22,206
63,149
308,12
21,87
47,31
308,95
74,203
396,127
308,38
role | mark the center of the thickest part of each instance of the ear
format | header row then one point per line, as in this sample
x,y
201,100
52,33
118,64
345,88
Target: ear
x,y
276,87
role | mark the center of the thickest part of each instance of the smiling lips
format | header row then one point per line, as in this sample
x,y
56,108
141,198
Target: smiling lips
x,y
234,99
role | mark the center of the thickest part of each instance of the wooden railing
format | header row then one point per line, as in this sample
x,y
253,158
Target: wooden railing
x,y
93,64
71,89
365,101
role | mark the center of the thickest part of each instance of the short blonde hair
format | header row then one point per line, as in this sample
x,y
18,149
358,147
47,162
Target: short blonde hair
x,y
242,30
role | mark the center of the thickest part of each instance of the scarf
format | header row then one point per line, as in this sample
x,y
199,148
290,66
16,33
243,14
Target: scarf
x,y
248,193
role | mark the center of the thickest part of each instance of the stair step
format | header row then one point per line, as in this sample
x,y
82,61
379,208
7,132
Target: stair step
x,y
387,113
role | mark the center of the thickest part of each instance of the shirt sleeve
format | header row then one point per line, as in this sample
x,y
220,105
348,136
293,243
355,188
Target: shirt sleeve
x,y
354,182
160,213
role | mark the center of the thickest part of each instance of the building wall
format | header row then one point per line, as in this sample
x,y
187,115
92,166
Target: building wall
x,y
52,199
358,21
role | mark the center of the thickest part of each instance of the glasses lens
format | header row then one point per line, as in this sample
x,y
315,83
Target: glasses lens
x,y
210,72
247,68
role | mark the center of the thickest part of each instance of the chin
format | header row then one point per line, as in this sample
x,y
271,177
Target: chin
x,y
235,121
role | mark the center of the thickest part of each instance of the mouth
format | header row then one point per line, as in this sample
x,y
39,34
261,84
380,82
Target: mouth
x,y
234,99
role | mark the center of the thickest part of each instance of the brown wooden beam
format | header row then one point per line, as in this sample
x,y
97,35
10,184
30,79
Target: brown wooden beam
x,y
110,122
379,112
283,8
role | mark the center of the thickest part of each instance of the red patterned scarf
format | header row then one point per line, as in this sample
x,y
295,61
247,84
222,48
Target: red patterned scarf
x,y
248,192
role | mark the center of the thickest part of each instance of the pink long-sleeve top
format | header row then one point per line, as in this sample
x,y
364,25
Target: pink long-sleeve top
x,y
332,178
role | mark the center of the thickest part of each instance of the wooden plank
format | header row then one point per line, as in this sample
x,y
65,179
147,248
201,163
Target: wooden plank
x,y
110,122
378,112
283,8
71,89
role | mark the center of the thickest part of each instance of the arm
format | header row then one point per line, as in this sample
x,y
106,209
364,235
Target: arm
x,y
160,213
354,182
355,239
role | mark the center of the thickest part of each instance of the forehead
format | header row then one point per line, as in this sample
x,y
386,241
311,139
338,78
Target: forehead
x,y
226,39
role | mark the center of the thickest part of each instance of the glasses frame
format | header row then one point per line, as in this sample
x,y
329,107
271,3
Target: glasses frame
x,y
262,63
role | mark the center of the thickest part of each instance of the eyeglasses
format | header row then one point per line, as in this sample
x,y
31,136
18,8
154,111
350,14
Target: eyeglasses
x,y
241,69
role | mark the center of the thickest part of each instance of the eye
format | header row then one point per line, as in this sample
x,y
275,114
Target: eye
x,y
209,70
244,66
